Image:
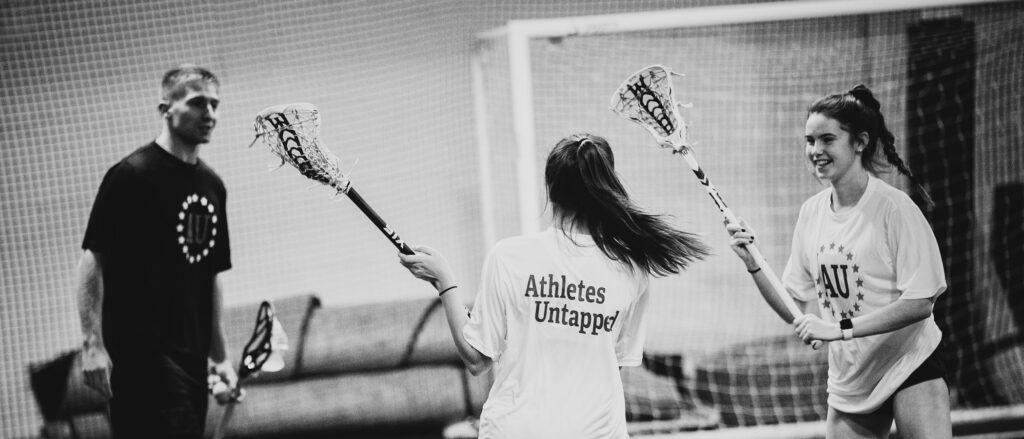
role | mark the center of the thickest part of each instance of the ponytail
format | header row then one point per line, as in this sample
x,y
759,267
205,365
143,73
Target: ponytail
x,y
585,190
858,111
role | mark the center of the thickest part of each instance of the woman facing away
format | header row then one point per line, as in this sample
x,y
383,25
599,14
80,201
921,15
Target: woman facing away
x,y
865,255
560,311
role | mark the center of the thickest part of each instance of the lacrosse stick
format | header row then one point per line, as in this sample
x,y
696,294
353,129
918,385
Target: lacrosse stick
x,y
261,354
292,133
647,98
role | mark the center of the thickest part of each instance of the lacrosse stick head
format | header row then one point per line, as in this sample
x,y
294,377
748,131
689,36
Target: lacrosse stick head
x,y
647,98
263,352
292,131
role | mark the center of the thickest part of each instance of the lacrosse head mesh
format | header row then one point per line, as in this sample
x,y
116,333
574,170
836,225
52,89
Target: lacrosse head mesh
x,y
646,98
263,352
292,132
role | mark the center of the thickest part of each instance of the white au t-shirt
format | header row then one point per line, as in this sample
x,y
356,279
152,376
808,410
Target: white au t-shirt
x,y
558,318
854,263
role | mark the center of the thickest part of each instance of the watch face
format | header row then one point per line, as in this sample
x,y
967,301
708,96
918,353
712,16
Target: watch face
x,y
845,324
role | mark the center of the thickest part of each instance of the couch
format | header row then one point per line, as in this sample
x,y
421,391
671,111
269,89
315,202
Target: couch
x,y
390,369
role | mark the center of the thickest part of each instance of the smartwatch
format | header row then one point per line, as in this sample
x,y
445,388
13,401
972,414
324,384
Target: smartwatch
x,y
846,326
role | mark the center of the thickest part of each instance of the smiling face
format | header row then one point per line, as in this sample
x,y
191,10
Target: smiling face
x,y
832,151
192,115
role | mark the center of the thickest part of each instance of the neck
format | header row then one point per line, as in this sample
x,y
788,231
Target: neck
x,y
186,152
563,222
847,191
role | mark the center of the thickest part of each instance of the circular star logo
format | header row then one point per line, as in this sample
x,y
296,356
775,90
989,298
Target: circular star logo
x,y
839,281
196,228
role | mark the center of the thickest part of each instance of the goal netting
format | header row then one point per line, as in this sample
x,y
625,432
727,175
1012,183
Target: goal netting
x,y
949,76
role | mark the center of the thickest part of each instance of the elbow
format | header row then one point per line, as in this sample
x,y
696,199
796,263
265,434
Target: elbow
x,y
476,368
921,310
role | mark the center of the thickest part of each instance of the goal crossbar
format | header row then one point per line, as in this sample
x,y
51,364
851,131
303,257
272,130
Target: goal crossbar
x,y
518,34
711,16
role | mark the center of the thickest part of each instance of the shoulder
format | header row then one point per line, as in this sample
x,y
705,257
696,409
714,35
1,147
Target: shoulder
x,y
889,199
130,165
521,251
816,203
206,170
891,195
515,245
895,208
139,158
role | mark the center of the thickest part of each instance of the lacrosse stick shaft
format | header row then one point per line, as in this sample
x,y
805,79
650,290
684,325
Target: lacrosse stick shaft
x,y
780,290
377,221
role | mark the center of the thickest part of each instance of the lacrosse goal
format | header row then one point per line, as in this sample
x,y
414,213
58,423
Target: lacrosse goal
x,y
948,75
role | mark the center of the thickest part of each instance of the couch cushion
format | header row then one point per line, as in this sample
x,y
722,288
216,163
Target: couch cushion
x,y
378,336
423,395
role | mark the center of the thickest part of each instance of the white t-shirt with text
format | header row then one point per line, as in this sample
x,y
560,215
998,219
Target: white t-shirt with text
x,y
558,318
856,262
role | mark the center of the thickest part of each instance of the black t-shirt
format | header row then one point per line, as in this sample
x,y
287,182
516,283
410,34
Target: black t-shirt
x,y
161,227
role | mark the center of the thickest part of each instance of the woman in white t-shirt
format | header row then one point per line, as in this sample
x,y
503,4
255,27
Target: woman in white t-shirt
x,y
560,311
864,254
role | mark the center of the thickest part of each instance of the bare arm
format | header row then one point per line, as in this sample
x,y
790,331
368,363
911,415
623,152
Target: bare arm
x,y
741,236
767,291
431,266
218,338
96,364
458,317
892,317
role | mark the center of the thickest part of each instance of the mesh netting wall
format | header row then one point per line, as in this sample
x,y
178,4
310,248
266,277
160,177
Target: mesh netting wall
x,y
391,79
712,338
81,84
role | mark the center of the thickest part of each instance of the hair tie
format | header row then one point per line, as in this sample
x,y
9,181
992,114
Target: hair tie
x,y
863,95
447,290
583,139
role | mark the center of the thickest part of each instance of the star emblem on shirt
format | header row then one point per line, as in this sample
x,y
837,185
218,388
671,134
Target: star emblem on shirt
x,y
196,228
834,298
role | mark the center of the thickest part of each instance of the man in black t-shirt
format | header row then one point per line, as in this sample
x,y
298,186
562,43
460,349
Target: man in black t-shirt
x,y
149,294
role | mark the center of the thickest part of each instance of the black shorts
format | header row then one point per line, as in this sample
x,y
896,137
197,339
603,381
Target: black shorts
x,y
932,368
156,396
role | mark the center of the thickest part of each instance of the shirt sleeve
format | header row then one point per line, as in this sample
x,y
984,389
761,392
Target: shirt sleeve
x,y
108,209
488,323
224,239
912,245
797,277
629,347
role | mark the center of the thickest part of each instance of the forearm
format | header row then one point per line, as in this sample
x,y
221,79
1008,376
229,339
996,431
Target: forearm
x,y
458,317
89,286
892,317
218,339
767,290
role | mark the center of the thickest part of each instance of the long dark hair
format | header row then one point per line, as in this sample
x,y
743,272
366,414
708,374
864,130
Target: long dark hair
x,y
857,111
584,189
